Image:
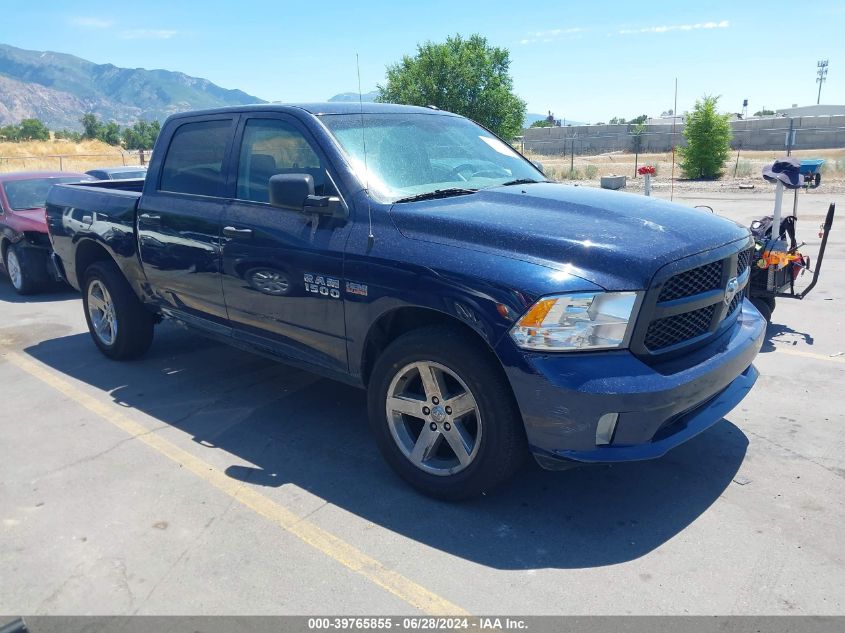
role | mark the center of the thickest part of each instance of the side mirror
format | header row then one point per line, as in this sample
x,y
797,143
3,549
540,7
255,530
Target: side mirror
x,y
295,192
539,166
289,191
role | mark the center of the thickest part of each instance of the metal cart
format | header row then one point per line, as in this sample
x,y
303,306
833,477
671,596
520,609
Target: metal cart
x,y
767,284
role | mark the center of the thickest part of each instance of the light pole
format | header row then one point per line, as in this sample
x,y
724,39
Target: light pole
x,y
821,73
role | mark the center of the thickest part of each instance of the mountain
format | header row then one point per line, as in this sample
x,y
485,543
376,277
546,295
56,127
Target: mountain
x,y
367,97
59,88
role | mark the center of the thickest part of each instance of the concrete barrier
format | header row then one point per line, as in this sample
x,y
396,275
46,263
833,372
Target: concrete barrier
x,y
816,132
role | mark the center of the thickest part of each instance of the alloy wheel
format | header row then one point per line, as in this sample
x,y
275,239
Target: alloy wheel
x,y
101,311
434,418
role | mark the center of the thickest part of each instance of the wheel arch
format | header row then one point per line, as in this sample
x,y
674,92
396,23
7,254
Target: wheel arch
x,y
398,321
88,252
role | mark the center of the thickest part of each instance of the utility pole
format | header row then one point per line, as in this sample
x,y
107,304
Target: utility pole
x,y
821,77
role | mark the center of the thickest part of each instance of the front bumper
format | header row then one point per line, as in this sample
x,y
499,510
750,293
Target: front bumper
x,y
563,396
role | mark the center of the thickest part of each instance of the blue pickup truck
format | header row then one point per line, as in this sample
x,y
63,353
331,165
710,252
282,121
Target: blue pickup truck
x,y
489,313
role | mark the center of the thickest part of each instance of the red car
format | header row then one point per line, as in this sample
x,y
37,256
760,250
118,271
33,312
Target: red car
x,y
24,244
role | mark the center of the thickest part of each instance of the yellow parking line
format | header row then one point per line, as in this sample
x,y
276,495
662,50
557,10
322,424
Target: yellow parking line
x,y
321,540
795,352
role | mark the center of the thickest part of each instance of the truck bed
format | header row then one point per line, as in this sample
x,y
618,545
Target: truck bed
x,y
101,212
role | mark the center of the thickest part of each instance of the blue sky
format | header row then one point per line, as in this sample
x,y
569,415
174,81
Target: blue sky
x,y
585,61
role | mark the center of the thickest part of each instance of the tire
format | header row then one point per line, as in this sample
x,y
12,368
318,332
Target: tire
x,y
20,270
418,444
122,328
765,306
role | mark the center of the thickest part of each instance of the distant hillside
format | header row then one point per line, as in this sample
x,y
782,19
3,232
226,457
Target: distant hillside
x,y
367,97
59,88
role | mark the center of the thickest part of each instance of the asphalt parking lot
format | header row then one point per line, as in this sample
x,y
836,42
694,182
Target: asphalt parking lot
x,y
205,480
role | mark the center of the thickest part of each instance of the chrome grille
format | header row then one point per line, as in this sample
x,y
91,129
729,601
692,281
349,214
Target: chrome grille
x,y
692,282
678,328
743,261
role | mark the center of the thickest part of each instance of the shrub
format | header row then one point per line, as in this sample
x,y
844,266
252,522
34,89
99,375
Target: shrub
x,y
743,169
591,171
708,135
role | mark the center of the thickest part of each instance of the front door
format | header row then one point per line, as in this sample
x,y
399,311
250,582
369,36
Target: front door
x,y
179,219
282,270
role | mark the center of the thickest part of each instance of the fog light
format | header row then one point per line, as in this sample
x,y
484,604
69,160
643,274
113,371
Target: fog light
x,y
605,428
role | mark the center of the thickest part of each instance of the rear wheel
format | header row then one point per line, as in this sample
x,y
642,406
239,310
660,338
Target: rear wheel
x,y
443,415
20,272
118,322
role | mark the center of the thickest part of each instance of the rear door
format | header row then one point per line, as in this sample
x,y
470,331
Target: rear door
x,y
282,270
179,218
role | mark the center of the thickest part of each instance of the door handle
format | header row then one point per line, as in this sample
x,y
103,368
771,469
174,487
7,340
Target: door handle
x,y
231,231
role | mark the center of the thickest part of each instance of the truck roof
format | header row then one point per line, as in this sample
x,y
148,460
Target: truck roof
x,y
28,175
317,108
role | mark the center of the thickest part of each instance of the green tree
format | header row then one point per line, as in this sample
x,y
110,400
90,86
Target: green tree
x,y
764,112
10,133
110,133
639,120
708,135
142,135
91,126
462,75
70,135
33,130
542,123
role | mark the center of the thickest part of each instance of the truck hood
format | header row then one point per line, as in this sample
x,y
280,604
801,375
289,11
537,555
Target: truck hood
x,y
612,239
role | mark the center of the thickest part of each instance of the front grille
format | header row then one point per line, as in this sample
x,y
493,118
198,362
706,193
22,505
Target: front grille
x,y
687,306
692,282
681,327
743,261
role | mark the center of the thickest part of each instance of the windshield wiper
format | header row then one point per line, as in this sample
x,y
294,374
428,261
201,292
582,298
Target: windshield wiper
x,y
521,181
437,193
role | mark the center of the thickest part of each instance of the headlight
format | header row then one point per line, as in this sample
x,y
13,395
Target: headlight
x,y
580,321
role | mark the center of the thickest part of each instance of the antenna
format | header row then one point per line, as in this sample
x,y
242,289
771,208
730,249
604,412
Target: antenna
x,y
370,237
674,118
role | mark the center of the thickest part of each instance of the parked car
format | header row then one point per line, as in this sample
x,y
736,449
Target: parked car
x,y
488,312
118,173
24,244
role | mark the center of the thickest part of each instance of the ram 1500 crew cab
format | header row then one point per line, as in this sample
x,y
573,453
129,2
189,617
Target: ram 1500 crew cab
x,y
488,312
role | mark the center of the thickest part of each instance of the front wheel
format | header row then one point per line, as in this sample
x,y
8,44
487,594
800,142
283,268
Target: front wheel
x,y
19,269
443,414
118,322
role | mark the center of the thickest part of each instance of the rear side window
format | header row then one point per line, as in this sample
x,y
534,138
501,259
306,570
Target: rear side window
x,y
194,161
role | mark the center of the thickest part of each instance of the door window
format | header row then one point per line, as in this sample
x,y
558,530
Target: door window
x,y
194,161
270,147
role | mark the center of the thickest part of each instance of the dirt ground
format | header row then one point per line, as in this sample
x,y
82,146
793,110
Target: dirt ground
x,y
589,169
63,155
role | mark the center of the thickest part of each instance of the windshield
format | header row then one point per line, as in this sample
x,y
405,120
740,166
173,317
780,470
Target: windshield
x,y
410,154
31,194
